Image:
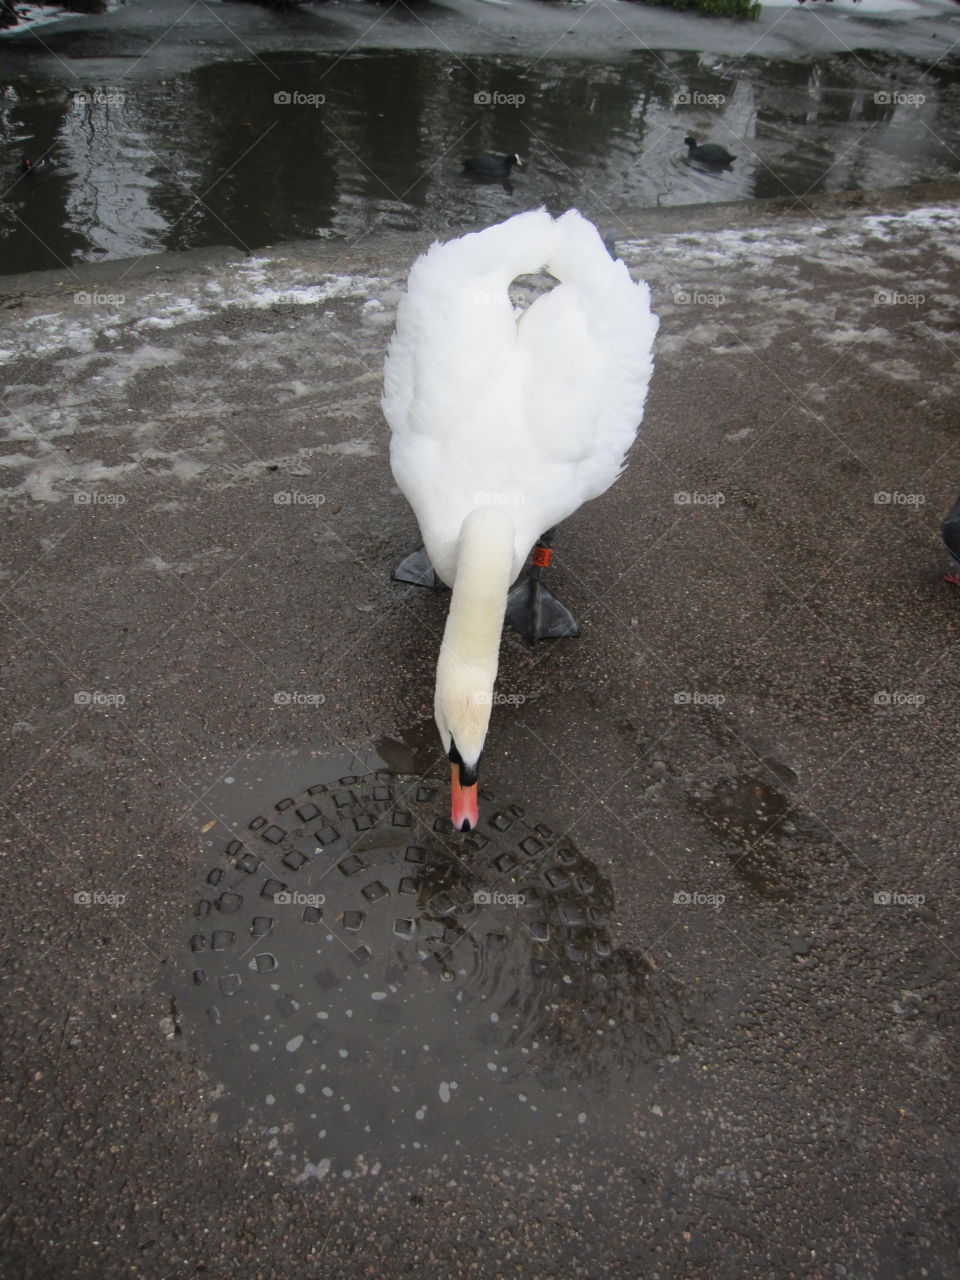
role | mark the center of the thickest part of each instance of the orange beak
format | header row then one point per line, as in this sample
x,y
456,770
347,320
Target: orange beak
x,y
464,813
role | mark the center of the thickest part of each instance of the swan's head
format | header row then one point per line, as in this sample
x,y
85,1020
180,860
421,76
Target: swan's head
x,y
689,142
462,702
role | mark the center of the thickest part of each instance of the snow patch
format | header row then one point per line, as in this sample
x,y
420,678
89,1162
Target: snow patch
x,y
318,1171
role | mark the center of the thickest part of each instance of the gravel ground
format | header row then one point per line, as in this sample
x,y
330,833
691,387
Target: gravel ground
x,y
761,709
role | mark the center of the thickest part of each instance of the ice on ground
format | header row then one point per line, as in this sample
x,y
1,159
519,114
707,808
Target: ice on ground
x,y
94,405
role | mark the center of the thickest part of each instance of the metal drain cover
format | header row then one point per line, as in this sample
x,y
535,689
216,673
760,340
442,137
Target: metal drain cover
x,y
371,984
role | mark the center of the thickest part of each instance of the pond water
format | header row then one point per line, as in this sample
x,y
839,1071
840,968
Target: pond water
x,y
151,153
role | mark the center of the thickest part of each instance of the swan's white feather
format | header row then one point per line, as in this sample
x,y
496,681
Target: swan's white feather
x,y
534,410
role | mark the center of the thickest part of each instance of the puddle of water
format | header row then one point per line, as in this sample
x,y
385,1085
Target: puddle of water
x,y
762,822
176,159
746,809
370,987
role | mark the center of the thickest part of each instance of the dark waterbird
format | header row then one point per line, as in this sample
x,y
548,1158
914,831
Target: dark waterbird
x,y
491,166
950,532
707,152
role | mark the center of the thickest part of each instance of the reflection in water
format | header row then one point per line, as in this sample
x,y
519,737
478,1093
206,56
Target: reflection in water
x,y
372,987
245,153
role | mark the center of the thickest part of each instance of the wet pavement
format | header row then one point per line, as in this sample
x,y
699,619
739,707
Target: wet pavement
x,y
744,769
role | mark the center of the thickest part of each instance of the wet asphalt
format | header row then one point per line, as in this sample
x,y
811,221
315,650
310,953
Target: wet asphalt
x,y
753,743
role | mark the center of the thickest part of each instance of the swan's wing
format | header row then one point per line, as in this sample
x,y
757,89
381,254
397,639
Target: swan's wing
x,y
456,327
453,370
442,391
588,358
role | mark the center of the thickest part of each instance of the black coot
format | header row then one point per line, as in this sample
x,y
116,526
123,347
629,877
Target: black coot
x,y
707,152
491,166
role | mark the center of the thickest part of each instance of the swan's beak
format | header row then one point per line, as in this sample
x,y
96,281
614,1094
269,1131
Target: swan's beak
x,y
464,813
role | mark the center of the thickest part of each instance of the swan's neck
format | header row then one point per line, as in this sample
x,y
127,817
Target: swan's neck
x,y
470,650
484,572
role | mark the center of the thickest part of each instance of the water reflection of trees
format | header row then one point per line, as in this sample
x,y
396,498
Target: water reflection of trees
x,y
209,157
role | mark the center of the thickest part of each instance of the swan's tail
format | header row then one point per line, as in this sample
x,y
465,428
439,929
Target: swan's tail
x,y
577,254
521,245
569,247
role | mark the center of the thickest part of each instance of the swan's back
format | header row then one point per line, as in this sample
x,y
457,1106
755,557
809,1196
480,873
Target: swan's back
x,y
534,410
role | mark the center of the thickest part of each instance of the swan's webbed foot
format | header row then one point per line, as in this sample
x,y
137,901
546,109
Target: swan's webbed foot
x,y
417,569
532,608
534,611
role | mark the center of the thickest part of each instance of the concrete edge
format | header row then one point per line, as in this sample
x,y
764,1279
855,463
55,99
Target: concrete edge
x,y
369,255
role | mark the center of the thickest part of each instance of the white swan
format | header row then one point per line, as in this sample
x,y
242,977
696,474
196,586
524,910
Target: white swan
x,y
503,423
